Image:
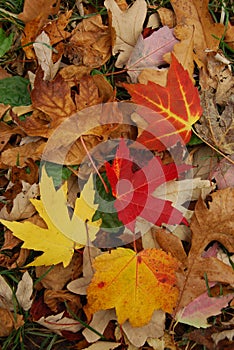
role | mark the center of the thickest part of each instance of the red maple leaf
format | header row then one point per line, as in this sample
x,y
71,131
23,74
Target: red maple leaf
x,y
171,110
133,189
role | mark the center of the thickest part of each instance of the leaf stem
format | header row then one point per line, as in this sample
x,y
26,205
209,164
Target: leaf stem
x,y
211,146
93,164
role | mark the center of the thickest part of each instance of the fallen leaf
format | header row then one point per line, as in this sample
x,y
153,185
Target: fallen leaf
x,y
34,7
133,190
101,345
43,51
20,155
127,26
207,33
54,99
196,313
24,291
55,29
123,279
6,132
216,128
79,228
90,43
58,323
167,17
9,322
66,274
148,52
223,174
57,241
216,220
22,208
54,298
174,108
79,285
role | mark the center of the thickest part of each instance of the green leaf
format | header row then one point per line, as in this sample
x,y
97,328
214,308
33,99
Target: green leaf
x,y
14,91
106,210
194,141
57,172
5,42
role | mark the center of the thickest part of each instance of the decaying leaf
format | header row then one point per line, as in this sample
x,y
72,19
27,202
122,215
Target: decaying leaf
x,y
34,7
223,174
101,345
210,222
207,33
127,26
43,50
59,322
216,128
90,43
196,313
174,108
148,52
134,284
9,322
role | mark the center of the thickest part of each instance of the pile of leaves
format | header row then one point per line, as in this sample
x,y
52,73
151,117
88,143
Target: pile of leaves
x,y
117,192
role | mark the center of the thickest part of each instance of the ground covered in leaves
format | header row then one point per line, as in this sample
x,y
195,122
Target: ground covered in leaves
x,y
117,186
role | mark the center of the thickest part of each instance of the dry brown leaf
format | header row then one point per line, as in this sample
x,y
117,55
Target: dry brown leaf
x,y
56,29
10,241
34,7
218,76
167,17
22,207
204,160
21,154
229,35
31,31
90,43
9,321
157,76
217,129
127,26
28,174
73,73
195,13
54,298
54,99
213,221
66,274
6,132
24,291
3,109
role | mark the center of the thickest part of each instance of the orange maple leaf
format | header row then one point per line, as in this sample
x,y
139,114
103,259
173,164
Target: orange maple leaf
x,y
171,110
135,284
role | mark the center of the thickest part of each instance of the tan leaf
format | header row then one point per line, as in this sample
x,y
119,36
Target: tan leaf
x,y
167,17
31,31
34,7
8,322
20,155
127,28
22,207
6,132
79,285
3,109
217,129
195,13
90,43
101,345
24,291
73,73
58,323
43,51
55,29
158,76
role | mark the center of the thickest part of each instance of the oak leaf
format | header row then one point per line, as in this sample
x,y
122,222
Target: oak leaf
x,y
207,33
133,190
127,26
216,128
174,108
148,52
135,284
210,222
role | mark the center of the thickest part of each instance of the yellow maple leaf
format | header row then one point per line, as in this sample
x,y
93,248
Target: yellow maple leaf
x,y
56,245
55,203
135,284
